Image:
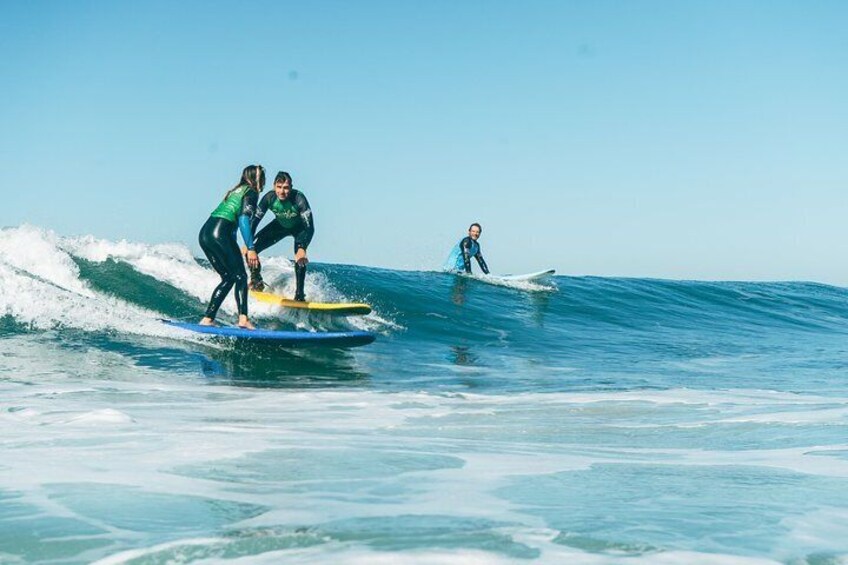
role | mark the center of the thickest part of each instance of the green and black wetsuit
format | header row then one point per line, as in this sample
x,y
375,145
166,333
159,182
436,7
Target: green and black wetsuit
x,y
293,217
218,240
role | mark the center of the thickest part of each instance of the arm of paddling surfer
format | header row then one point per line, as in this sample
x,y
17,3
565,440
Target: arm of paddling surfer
x,y
465,249
482,262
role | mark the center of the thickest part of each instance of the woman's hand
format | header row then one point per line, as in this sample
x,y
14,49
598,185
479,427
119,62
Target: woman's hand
x,y
300,257
252,259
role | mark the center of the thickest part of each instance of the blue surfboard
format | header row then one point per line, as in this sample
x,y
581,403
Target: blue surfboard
x,y
283,338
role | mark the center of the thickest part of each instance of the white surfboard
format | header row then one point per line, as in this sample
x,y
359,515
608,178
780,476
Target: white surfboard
x,y
526,277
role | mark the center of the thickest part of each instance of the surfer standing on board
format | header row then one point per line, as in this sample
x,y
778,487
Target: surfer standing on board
x,y
218,241
293,218
460,256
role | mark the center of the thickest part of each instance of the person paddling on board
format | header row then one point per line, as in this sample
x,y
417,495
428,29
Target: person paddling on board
x,y
293,218
218,241
460,256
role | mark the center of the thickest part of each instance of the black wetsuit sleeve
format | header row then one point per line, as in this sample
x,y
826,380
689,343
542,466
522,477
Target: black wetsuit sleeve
x,y
482,262
259,213
248,204
465,247
304,236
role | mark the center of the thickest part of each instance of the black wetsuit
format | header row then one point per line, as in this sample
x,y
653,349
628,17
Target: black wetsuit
x,y
218,240
469,249
293,217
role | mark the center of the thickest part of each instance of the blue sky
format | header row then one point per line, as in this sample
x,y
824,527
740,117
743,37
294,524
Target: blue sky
x,y
665,139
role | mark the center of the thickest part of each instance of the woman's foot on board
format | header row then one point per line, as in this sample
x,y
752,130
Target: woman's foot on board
x,y
244,323
207,321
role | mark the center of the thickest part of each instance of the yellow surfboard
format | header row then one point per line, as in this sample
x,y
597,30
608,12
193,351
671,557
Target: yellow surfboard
x,y
336,309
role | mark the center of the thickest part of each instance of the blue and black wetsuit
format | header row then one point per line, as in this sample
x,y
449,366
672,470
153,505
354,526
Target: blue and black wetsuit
x,y
218,240
293,217
461,254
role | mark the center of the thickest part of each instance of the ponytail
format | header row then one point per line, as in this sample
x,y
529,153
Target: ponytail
x,y
252,176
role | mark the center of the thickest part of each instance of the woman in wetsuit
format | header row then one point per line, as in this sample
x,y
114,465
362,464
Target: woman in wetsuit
x,y
218,241
293,218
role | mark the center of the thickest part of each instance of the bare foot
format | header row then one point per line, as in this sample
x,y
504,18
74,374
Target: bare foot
x,y
207,321
243,322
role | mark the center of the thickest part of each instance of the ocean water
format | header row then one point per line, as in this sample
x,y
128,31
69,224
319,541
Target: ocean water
x,y
588,420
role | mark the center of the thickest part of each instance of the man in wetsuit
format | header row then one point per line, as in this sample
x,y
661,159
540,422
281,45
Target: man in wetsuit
x,y
293,217
460,256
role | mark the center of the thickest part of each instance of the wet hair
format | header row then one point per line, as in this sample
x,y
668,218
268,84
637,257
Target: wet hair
x,y
283,176
252,176
479,227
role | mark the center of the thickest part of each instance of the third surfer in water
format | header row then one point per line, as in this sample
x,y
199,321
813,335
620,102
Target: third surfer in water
x,y
460,256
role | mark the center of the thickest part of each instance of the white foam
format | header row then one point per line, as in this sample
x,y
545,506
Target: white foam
x,y
103,416
358,554
35,251
174,264
47,292
529,286
171,263
816,529
133,554
178,424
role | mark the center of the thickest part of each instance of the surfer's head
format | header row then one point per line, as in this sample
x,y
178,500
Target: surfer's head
x,y
254,177
283,185
474,231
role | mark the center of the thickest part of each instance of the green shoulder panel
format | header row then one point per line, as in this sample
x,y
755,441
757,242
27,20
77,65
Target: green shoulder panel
x,y
230,207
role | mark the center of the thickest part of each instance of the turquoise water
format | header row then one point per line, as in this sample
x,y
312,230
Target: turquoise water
x,y
589,420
